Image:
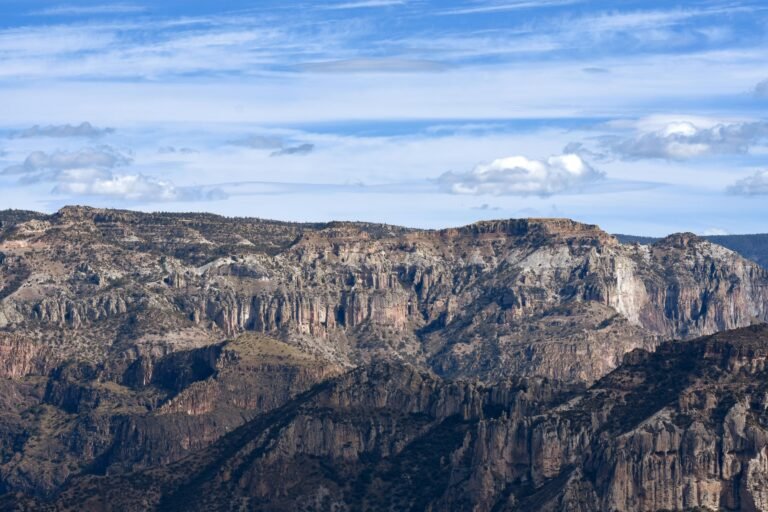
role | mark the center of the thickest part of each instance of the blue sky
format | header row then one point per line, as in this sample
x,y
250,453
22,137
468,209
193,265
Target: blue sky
x,y
643,117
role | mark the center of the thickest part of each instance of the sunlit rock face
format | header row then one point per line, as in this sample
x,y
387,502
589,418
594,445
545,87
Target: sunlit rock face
x,y
546,297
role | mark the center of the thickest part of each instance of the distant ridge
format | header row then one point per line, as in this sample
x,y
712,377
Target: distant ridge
x,y
753,247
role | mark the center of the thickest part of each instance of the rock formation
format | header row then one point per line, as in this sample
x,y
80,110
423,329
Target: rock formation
x,y
684,428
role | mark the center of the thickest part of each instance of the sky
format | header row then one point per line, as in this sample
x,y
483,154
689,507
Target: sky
x,y
645,117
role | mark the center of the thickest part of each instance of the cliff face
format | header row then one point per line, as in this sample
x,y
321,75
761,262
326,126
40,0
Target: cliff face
x,y
681,428
547,297
130,340
83,418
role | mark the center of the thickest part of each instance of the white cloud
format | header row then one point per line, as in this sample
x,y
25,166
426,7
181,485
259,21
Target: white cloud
x,y
518,175
649,25
151,48
755,185
90,173
103,157
37,45
684,140
131,187
84,129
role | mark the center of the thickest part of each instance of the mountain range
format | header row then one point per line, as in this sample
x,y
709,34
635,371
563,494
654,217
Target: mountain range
x,y
197,362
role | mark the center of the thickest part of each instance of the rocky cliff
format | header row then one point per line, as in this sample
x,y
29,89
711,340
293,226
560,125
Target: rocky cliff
x,y
131,341
546,297
683,428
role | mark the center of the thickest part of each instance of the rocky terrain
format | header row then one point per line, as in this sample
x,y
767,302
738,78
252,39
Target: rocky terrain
x,y
239,351
682,428
548,297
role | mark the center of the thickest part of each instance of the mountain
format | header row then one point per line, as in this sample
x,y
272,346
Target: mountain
x,y
683,428
133,341
483,301
752,247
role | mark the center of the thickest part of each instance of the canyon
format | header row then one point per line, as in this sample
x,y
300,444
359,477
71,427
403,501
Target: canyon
x,y
196,362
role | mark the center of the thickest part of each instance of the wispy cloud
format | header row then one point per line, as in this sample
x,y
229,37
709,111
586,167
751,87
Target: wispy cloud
x,y
363,4
509,6
156,48
387,65
85,10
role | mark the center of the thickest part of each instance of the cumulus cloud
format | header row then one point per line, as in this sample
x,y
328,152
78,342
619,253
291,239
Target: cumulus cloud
x,y
755,185
577,148
302,149
91,172
132,187
61,131
518,175
685,140
40,165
